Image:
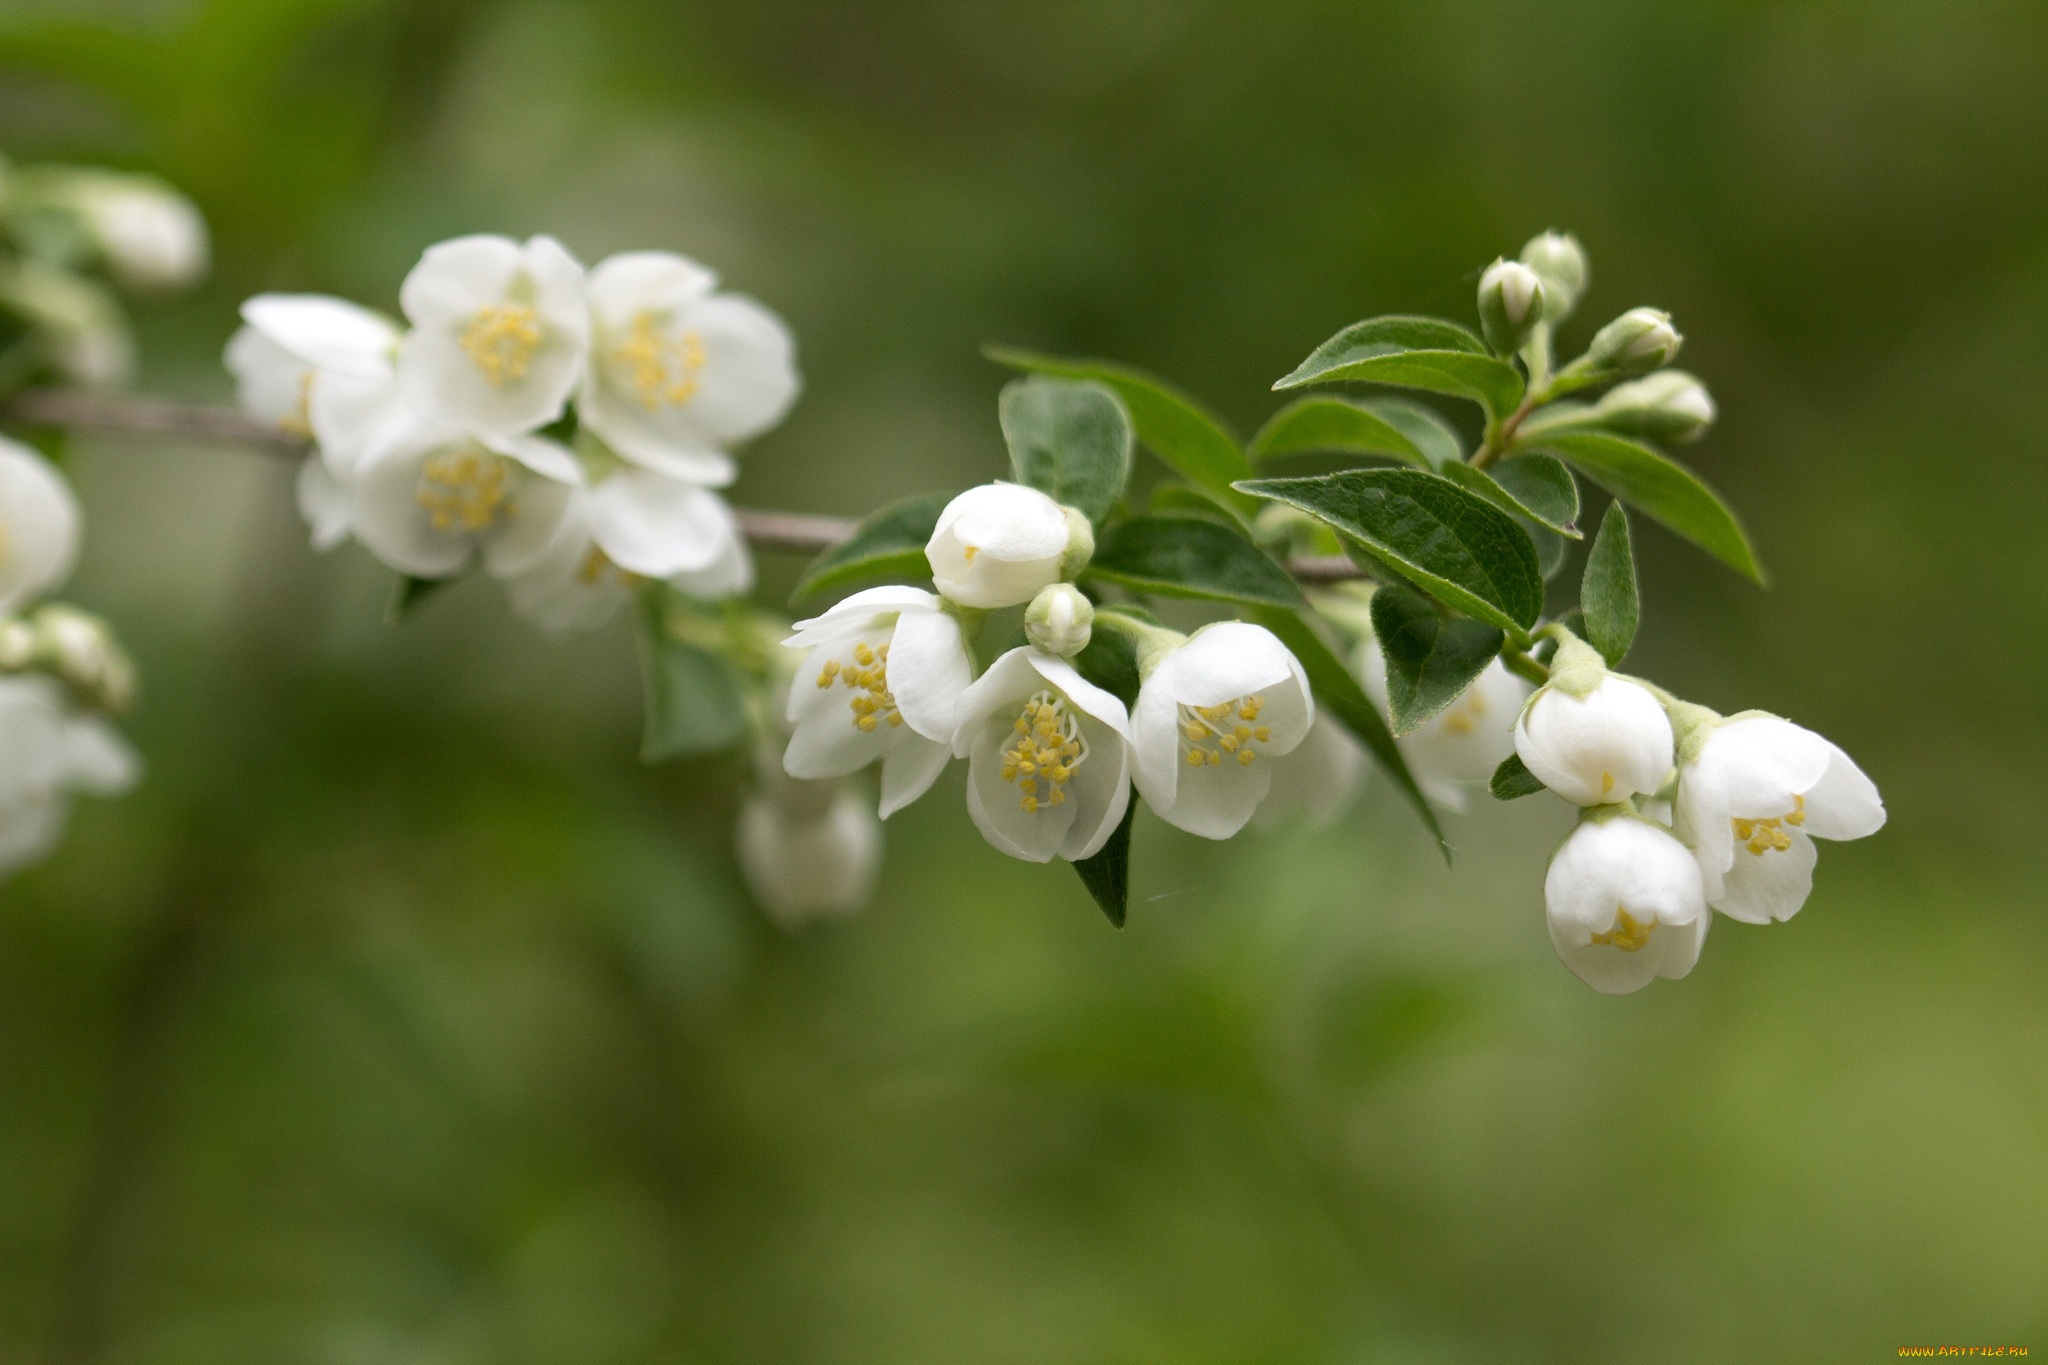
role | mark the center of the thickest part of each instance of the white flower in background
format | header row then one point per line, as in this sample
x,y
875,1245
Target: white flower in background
x,y
1463,743
38,526
1318,779
325,502
289,343
49,750
807,869
581,581
500,332
1048,756
881,677
677,374
1625,904
1606,745
1751,802
998,545
428,500
1209,711
152,236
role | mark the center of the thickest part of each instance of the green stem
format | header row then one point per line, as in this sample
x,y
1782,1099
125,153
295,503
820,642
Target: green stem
x,y
1153,642
1522,665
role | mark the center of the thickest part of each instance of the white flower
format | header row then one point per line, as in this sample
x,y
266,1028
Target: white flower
x,y
152,236
427,500
669,530
678,374
48,751
883,672
38,526
316,366
325,502
499,334
1048,757
1603,747
1463,743
997,545
1208,711
802,868
1624,902
1318,779
1752,801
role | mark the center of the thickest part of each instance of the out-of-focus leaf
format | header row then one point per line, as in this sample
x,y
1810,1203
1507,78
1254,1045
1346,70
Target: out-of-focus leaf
x,y
1431,656
1339,424
1661,488
887,544
1191,557
1186,499
1607,594
1070,439
408,593
693,699
1453,544
1416,353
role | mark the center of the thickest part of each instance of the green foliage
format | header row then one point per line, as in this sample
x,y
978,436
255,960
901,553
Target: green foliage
x,y
1453,544
1191,557
1533,486
1416,353
693,699
888,544
1070,439
1512,780
1186,499
1661,488
1107,874
1607,594
407,595
1334,424
1337,689
1171,425
1111,661
1431,656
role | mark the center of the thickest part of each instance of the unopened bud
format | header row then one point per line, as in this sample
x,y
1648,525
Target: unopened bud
x,y
17,645
1669,406
1637,342
1560,262
81,650
1080,544
1510,305
1060,620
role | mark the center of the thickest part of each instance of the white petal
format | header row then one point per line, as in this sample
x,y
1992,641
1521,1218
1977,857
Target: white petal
x,y
390,521
329,333
1844,804
1772,885
351,415
869,602
910,767
538,509
97,759
996,806
1094,701
657,526
1315,781
1001,689
30,828
455,278
38,526
801,870
1603,748
270,382
324,502
1764,761
632,281
731,574
1624,866
997,545
928,670
1099,793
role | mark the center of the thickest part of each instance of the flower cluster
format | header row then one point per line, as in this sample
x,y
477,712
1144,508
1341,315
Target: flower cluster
x,y
565,427
61,225
1683,812
61,672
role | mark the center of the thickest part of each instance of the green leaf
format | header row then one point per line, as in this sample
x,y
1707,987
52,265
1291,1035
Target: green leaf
x,y
1415,353
1107,874
887,544
1431,656
1191,557
408,593
692,697
1170,424
1660,488
1513,780
1339,424
1426,428
1186,499
1540,490
1607,594
1070,439
1549,547
1111,662
1337,690
1453,544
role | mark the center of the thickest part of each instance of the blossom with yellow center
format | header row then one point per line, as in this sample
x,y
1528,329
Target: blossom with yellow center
x,y
1624,902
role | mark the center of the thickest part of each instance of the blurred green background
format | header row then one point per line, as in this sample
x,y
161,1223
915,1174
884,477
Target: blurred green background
x,y
401,1017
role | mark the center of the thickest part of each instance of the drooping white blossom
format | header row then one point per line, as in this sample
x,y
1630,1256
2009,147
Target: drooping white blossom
x,y
430,498
883,672
49,750
1318,779
677,373
500,331
1462,744
1752,799
804,869
1048,756
38,526
1209,711
998,545
1603,745
320,367
1625,904
152,236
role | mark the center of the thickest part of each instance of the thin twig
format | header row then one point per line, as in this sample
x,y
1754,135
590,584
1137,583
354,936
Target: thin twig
x,y
791,532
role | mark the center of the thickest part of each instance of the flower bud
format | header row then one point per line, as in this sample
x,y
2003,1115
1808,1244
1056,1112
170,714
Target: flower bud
x,y
999,544
80,649
1624,903
1637,342
152,236
1560,262
802,867
1669,406
1593,737
1510,305
1060,620
17,645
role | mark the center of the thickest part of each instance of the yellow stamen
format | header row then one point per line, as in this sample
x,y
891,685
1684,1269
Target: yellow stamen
x,y
502,340
1628,934
465,489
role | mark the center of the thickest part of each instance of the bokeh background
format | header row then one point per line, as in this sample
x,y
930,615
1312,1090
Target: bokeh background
x,y
402,1017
